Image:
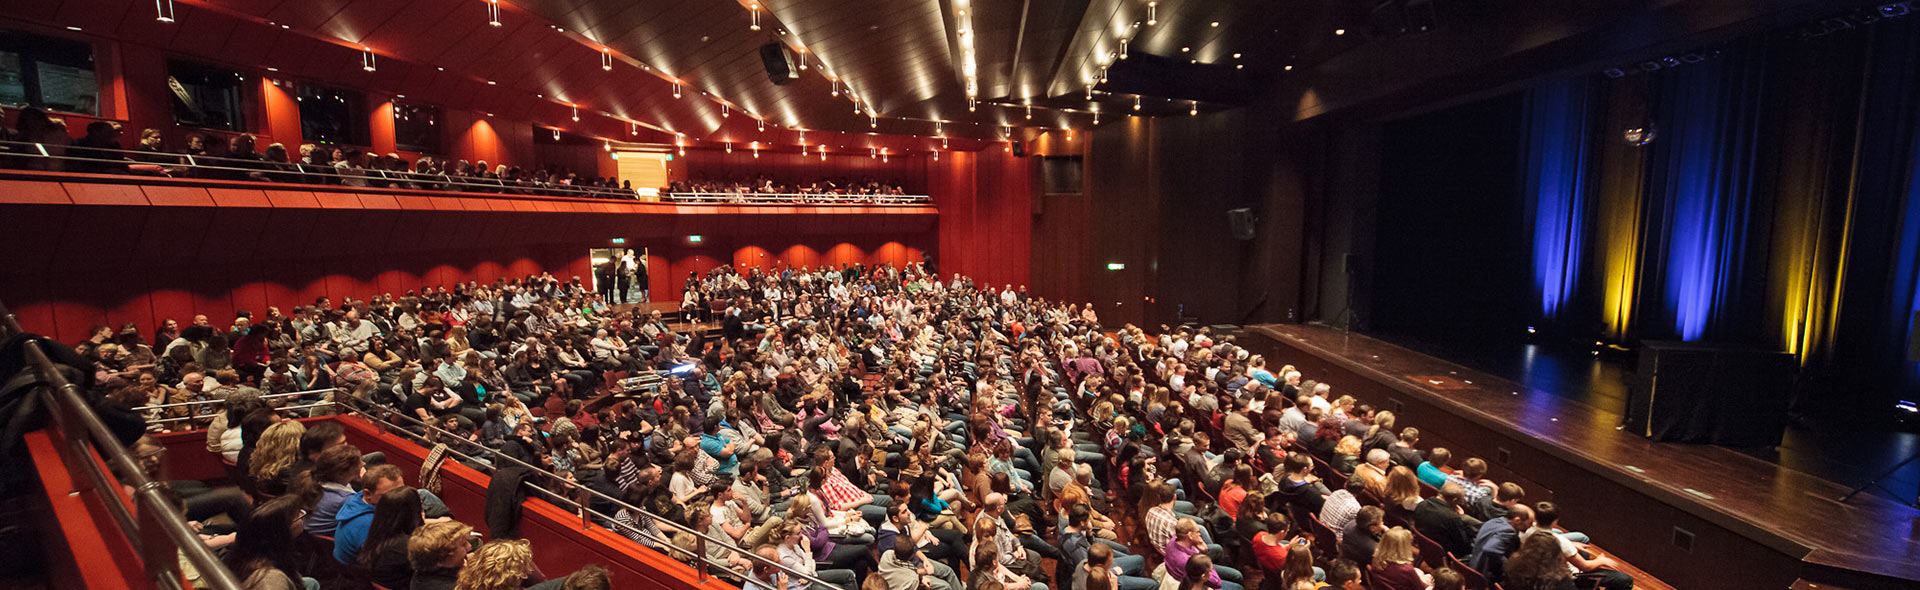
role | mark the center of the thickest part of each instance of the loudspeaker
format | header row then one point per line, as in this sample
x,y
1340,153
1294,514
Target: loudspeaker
x,y
779,63
1242,222
1913,339
1019,148
1703,393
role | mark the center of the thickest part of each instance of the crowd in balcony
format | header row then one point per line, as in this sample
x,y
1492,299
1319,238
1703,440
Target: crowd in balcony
x,y
101,149
765,185
873,427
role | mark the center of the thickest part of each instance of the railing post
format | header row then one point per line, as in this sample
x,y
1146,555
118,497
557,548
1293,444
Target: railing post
x,y
156,550
700,556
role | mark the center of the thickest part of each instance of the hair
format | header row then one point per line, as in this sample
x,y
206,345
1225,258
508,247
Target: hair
x,y
874,581
1099,578
266,539
1369,516
1473,469
378,473
1342,571
1299,564
1277,523
1396,547
275,451
395,516
316,438
1545,514
1536,564
1452,492
1402,485
497,565
1510,492
1198,569
1349,445
593,576
1439,456
1447,579
336,464
431,544
1382,422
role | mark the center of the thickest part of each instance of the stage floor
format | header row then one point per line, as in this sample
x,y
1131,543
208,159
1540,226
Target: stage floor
x,y
1567,412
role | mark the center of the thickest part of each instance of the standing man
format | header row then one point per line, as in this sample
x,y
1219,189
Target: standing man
x,y
603,279
624,275
639,275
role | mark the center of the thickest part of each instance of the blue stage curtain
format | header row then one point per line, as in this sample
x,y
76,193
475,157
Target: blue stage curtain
x,y
1554,187
1700,185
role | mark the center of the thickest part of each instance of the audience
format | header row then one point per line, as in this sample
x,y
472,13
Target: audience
x,y
859,425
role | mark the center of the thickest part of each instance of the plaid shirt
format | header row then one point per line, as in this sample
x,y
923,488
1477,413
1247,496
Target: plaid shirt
x,y
1339,512
840,493
1160,520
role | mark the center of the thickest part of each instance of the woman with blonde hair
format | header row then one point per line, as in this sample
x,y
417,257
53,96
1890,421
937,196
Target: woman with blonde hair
x,y
1403,491
497,565
1380,435
1346,455
1393,567
274,455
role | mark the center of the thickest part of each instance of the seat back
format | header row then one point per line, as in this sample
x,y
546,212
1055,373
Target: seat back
x,y
1431,553
1475,580
1323,535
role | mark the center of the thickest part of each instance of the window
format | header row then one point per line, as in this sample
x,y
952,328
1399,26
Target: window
x,y
207,96
416,127
333,116
49,73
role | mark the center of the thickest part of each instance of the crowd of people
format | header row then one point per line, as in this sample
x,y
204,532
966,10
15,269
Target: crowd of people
x,y
101,150
872,427
763,184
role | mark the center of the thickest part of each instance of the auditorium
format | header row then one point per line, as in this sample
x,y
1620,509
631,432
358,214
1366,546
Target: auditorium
x,y
960,295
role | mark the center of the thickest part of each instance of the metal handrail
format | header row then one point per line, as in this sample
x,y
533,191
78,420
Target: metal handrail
x,y
732,197
191,418
15,149
221,401
84,429
702,538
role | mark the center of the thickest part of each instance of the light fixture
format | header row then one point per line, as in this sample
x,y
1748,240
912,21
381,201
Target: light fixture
x,y
883,155
754,9
729,147
163,10
936,155
1236,56
1096,116
1029,111
633,128
755,146
1288,68
676,89
723,110
1089,92
1239,66
493,12
1216,23
1185,49
803,59
803,149
366,59
1194,108
1153,9
836,86
556,134
1123,48
873,122
1136,102
943,143
576,113
763,125
973,104
606,59
1339,31
607,145
492,83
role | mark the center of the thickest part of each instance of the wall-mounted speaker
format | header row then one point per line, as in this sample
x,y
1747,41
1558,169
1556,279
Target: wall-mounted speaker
x,y
779,63
1019,148
1242,222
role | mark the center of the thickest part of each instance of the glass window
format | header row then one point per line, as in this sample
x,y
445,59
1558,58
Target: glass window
x,y
416,127
333,116
207,96
49,73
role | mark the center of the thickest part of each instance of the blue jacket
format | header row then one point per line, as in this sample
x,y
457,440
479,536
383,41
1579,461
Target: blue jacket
x,y
350,528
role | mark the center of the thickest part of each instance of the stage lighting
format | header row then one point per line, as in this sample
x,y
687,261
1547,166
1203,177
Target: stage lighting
x,y
1639,136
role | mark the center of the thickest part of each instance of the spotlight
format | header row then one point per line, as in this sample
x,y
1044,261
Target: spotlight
x,y
366,59
163,10
493,12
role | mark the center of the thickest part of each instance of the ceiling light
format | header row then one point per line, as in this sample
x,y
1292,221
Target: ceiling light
x,y
1029,112
754,8
606,59
492,83
676,90
1193,109
729,147
73,29
440,68
366,58
1153,17
1185,49
493,12
1236,56
1136,103
973,104
1123,48
1288,68
286,26
576,113
1239,66
723,110
163,10
1216,23
1339,31
607,145
763,125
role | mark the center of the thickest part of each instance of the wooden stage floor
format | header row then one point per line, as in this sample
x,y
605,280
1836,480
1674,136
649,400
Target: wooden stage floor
x,y
1696,516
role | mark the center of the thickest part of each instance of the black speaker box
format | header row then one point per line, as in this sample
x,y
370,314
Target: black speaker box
x,y
1703,393
1242,222
779,64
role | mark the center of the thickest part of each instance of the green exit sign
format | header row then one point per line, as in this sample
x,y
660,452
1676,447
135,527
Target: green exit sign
x,y
619,240
694,239
1116,266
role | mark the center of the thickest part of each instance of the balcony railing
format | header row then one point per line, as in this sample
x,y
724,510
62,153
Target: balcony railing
x,y
135,164
747,198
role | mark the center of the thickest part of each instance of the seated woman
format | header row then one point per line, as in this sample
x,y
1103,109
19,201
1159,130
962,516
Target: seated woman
x,y
1393,565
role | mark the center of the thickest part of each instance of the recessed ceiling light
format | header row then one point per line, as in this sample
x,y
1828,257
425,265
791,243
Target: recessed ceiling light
x,y
1216,23
440,68
1236,56
286,26
273,69
1185,49
1289,68
73,28
1339,31
492,83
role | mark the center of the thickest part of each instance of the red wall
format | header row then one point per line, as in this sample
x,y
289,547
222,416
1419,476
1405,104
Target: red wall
x,y
986,204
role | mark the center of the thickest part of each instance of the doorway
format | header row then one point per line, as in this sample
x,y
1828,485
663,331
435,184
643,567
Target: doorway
x,y
611,271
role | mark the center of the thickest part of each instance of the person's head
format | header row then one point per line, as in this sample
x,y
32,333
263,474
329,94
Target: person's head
x,y
1452,493
339,464
995,503
1276,522
1371,519
1508,493
1439,456
1187,531
1546,514
1402,485
1199,567
1344,574
1520,516
439,545
1396,547
379,479
276,449
1349,446
266,538
322,436
1536,563
1447,579
1378,458
1299,563
395,516
497,565
1474,469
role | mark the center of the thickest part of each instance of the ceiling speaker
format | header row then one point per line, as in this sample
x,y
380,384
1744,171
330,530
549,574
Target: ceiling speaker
x,y
779,63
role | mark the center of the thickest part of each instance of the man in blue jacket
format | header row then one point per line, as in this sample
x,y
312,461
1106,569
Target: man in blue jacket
x,y
356,514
